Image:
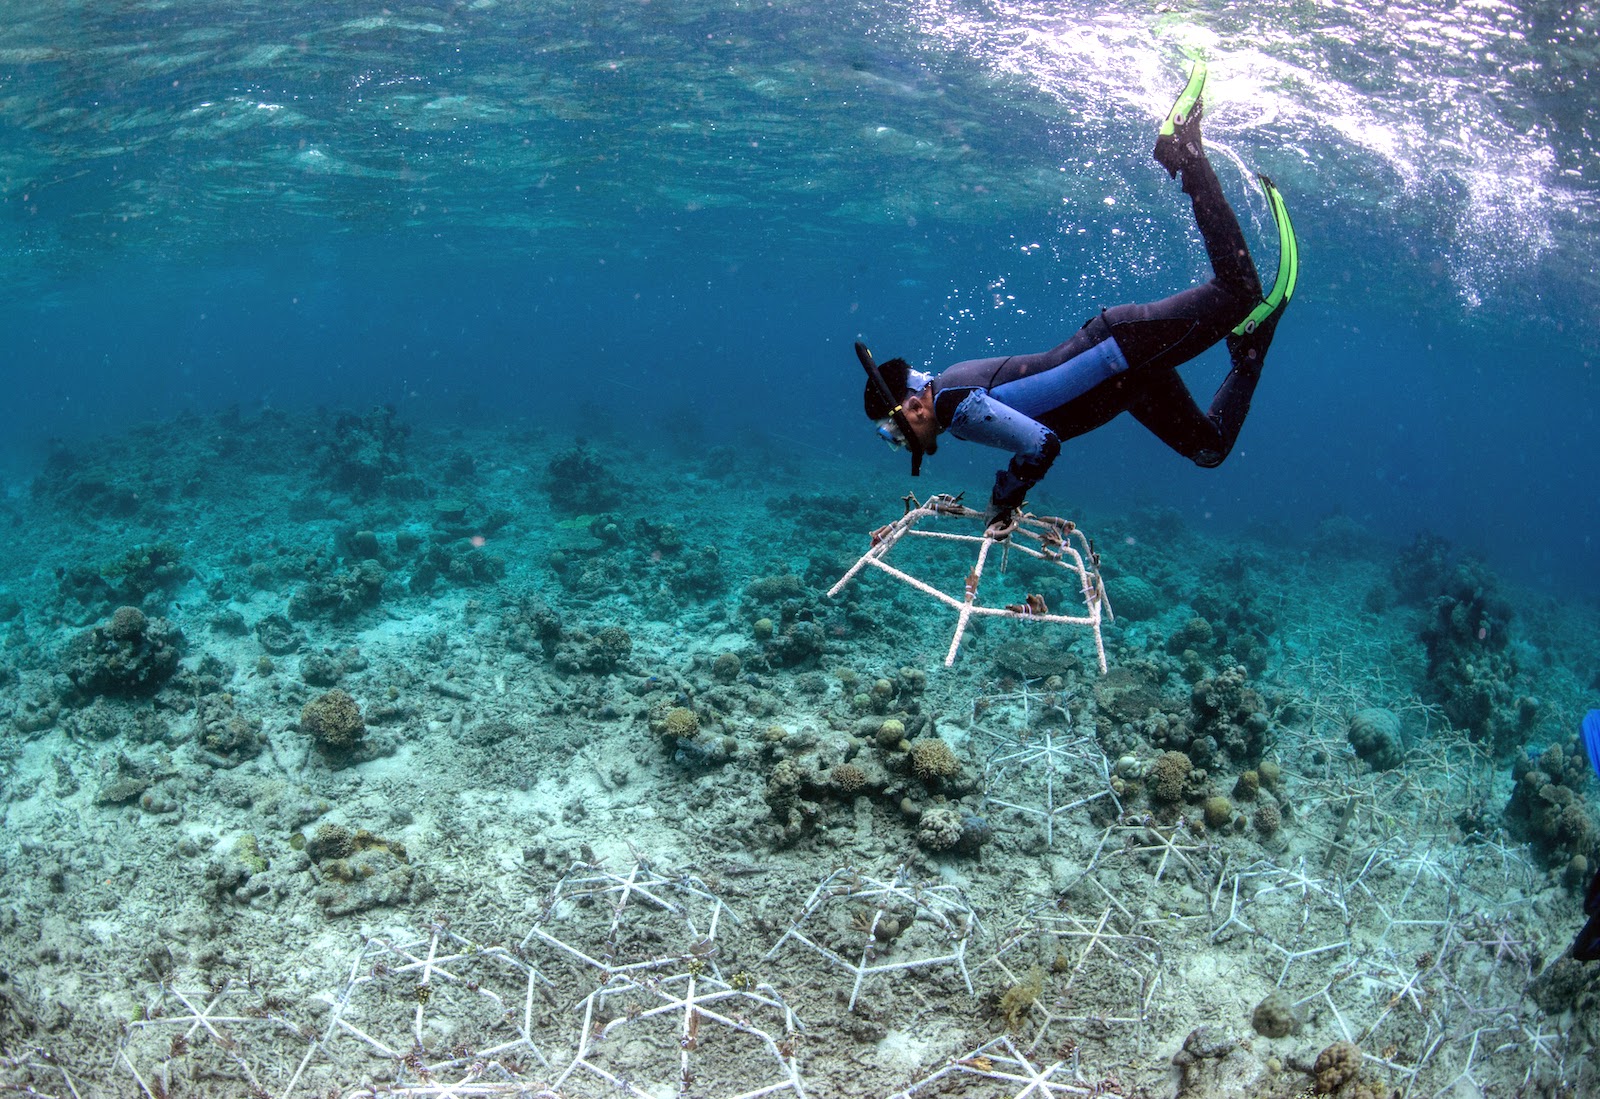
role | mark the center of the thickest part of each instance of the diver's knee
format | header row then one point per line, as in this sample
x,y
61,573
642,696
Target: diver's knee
x,y
1246,295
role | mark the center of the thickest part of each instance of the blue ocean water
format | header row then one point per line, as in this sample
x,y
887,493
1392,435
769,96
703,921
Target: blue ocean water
x,y
670,211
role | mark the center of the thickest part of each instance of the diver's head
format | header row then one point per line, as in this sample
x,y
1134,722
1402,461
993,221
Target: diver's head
x,y
905,414
875,401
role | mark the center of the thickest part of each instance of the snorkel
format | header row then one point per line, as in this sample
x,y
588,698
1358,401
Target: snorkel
x,y
896,408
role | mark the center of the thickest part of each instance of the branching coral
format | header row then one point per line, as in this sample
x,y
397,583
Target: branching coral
x,y
679,723
847,778
1167,776
932,759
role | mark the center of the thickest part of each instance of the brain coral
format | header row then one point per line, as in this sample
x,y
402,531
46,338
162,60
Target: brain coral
x,y
1375,735
939,829
1336,1066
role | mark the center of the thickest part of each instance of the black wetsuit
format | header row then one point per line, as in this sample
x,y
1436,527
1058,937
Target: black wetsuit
x,y
1123,360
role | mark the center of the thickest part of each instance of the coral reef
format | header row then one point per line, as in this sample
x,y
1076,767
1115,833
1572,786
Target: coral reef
x,y
104,720
1374,733
1214,1063
531,626
223,736
597,653
1466,631
359,870
791,811
458,563
334,723
130,654
278,635
1168,776
578,483
89,484
241,875
1548,807
340,595
365,454
797,642
680,731
932,759
608,686
1274,1016
146,570
1229,717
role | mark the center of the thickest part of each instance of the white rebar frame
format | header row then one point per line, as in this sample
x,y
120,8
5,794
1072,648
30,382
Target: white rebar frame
x,y
446,959
1022,756
999,1061
210,1014
939,909
640,888
36,1060
694,999
1060,541
1102,948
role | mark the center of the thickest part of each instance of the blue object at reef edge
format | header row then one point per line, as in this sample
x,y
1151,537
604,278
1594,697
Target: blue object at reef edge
x,y
1591,739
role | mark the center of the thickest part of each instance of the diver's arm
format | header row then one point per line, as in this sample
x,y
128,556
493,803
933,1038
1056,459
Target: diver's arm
x,y
982,419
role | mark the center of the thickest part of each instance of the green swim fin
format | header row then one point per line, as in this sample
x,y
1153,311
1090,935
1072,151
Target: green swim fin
x,y
1184,107
1288,264
1178,139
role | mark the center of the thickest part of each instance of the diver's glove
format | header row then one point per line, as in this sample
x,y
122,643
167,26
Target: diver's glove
x,y
999,521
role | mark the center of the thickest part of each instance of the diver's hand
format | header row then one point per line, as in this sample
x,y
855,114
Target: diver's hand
x,y
999,521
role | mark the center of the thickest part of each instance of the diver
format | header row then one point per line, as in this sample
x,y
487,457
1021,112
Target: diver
x,y
1123,360
1586,947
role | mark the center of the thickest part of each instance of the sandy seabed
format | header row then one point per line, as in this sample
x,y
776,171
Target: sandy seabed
x,y
631,807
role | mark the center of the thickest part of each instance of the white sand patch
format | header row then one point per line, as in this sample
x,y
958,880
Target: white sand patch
x,y
902,1051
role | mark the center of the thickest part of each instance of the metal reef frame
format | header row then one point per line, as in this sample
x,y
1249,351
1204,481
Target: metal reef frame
x,y
1057,541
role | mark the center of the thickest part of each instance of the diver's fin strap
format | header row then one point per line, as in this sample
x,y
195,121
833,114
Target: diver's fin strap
x,y
1288,263
1185,105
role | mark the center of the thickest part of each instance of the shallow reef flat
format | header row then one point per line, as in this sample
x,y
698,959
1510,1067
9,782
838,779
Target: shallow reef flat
x,y
344,755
